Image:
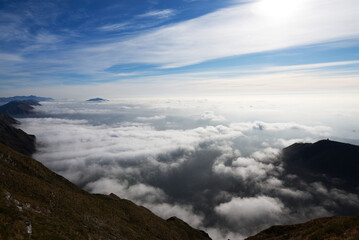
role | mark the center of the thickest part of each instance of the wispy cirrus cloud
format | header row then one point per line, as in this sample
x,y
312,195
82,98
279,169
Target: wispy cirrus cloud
x,y
114,27
237,30
11,57
229,82
157,49
166,13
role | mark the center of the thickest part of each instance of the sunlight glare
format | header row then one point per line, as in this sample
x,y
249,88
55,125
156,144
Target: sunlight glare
x,y
276,9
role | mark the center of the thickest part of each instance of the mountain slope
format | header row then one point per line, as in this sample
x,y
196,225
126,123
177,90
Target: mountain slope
x,y
19,107
333,163
15,138
331,228
57,209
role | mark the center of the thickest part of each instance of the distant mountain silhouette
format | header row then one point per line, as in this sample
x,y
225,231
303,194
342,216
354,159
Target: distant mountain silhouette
x,y
333,163
19,107
21,98
97,100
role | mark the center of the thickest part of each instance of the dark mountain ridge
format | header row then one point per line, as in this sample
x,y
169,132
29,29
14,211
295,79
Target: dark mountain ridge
x,y
11,136
19,108
15,138
21,98
333,163
333,228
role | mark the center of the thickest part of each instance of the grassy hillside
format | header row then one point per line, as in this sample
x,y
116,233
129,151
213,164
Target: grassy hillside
x,y
329,228
57,209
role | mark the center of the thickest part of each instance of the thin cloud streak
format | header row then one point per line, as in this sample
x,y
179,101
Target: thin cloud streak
x,y
114,27
166,13
211,84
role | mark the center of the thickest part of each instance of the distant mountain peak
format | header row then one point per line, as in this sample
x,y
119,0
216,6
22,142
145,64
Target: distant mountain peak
x,y
324,160
97,100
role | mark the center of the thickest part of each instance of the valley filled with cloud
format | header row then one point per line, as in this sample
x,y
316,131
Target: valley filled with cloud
x,y
203,98
214,163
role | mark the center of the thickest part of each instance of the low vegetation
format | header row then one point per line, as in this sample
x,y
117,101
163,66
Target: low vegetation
x,y
329,228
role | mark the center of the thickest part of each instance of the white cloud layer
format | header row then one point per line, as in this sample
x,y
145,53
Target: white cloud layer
x,y
209,163
240,29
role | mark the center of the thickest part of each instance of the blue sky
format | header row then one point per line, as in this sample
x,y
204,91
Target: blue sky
x,y
78,49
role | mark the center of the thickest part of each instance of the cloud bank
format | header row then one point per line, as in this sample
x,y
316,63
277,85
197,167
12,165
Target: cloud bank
x,y
188,159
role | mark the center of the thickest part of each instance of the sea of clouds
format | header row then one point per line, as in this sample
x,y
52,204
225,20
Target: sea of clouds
x,y
213,163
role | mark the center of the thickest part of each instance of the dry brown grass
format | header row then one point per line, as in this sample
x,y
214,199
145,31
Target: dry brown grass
x,y
330,228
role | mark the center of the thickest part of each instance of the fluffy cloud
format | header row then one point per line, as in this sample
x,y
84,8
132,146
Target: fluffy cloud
x,y
212,117
254,211
244,168
258,125
139,191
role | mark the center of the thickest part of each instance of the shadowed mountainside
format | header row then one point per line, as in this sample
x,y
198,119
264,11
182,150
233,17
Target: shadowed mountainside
x,y
19,107
333,228
335,164
15,138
